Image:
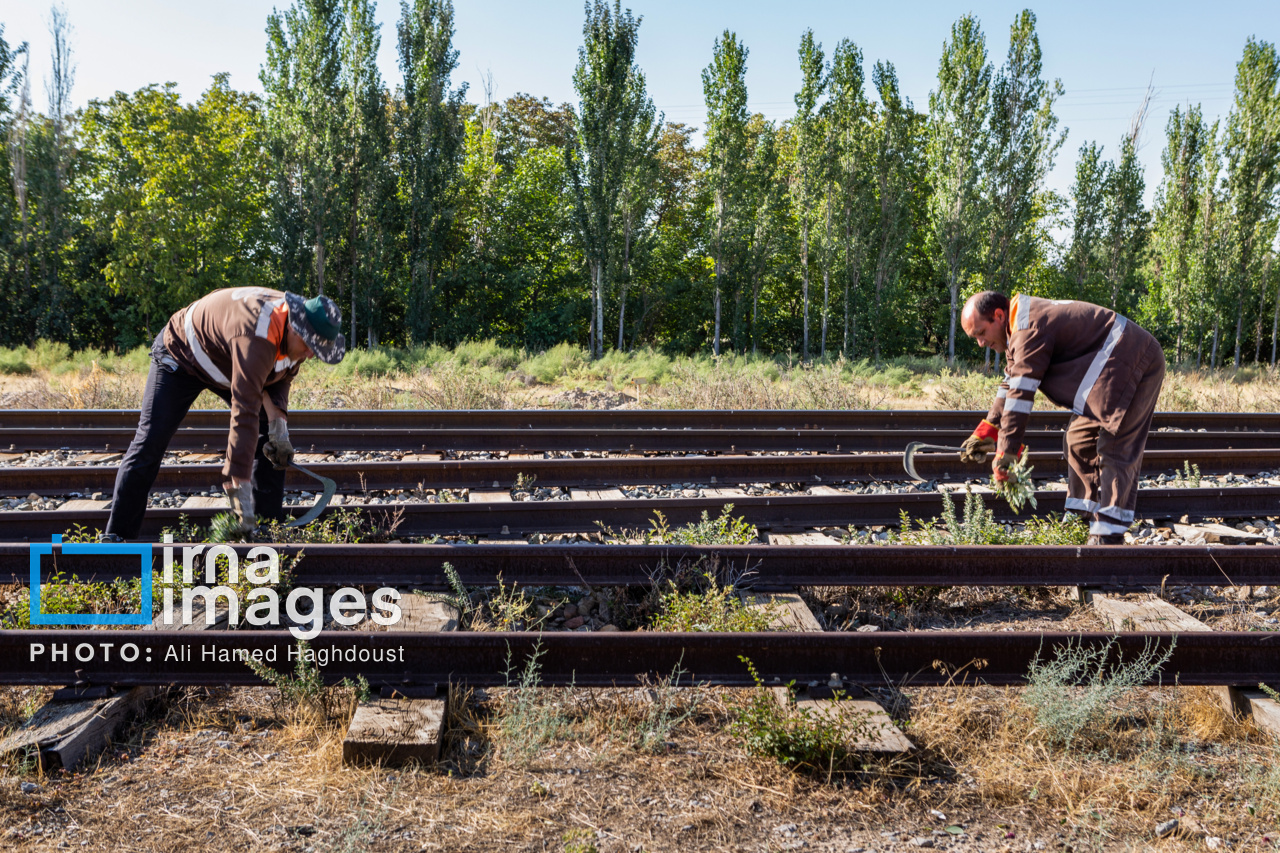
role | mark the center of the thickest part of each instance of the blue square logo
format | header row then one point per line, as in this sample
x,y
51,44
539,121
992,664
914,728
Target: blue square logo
x,y
143,551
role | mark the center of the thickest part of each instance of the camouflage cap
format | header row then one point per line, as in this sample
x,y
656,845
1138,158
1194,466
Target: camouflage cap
x,y
317,321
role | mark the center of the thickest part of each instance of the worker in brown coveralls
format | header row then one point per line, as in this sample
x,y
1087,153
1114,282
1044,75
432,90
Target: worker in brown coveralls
x,y
244,344
1103,367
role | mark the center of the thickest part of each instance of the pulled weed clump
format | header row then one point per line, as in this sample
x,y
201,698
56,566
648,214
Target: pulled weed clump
x,y
304,699
1017,488
817,742
978,526
710,607
1081,695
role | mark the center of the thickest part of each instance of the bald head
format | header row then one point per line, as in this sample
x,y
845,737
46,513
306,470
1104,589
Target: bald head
x,y
985,317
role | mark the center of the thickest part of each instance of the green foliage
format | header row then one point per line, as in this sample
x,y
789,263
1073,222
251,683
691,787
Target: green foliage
x,y
579,841
710,607
1190,476
61,593
1017,489
530,716
497,608
811,741
1081,693
303,694
670,706
977,526
724,529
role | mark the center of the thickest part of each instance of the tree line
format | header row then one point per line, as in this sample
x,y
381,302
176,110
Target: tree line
x,y
856,227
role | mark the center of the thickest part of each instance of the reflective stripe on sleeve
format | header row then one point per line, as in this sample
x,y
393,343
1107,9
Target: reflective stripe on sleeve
x,y
1002,393
1012,405
1024,311
1023,383
202,358
1099,361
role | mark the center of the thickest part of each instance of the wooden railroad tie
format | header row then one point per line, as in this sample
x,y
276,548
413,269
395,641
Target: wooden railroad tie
x,y
1155,614
393,729
77,725
792,614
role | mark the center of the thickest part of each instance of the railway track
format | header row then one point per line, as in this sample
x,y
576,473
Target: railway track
x,y
213,439
520,419
429,661
808,470
520,518
764,567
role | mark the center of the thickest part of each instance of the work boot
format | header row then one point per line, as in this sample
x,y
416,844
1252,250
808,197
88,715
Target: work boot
x,y
109,539
1105,539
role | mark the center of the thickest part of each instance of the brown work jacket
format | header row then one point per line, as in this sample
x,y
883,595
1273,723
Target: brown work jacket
x,y
1081,356
234,339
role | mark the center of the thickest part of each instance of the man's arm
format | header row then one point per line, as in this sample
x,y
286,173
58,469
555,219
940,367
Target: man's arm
x,y
1023,375
251,362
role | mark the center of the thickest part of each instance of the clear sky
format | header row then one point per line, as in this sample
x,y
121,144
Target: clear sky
x,y
1104,52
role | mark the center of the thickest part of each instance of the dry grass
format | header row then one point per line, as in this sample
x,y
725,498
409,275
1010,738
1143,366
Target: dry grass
x,y
460,380
222,771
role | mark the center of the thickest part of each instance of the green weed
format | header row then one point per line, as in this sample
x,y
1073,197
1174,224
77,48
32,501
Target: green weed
x,y
1080,694
710,608
724,529
303,695
799,738
530,716
978,526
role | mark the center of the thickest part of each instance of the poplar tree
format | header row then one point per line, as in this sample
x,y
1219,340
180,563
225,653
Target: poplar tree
x,y
892,146
1176,205
724,87
851,147
1251,145
1088,199
808,166
429,137
604,144
1125,218
368,186
302,78
956,150
1020,153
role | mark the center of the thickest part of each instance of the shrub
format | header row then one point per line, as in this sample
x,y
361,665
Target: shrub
x,y
724,529
710,608
1083,689
799,738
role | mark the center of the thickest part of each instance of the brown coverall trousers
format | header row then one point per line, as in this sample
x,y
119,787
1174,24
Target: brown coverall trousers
x,y
1104,467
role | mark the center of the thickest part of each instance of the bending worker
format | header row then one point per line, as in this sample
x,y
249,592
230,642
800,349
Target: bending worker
x,y
244,344
1104,368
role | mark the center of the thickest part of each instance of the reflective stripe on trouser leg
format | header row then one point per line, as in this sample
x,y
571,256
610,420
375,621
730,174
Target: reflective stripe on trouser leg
x,y
1103,528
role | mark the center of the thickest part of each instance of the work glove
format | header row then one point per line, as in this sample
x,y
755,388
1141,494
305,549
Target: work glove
x,y
242,505
978,446
278,449
1000,467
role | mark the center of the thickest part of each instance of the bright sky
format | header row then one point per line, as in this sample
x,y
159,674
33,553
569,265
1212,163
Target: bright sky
x,y
1104,52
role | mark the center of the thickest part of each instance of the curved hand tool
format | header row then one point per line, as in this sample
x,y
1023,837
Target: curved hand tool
x,y
323,501
909,458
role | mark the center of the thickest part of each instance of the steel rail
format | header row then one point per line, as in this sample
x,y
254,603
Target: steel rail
x,y
615,471
762,567
520,518
621,658
730,419
623,440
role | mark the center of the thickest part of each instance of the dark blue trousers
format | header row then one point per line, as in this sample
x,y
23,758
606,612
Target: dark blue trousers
x,y
168,397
